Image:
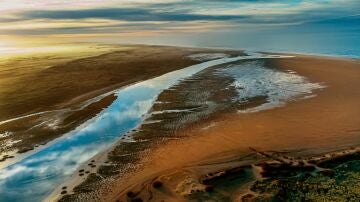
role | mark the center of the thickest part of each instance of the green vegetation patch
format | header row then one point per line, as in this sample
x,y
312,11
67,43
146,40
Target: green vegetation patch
x,y
344,185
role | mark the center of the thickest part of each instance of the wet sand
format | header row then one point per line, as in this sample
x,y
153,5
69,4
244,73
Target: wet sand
x,y
302,129
56,95
195,139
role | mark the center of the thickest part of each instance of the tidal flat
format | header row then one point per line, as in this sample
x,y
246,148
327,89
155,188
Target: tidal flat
x,y
152,123
46,95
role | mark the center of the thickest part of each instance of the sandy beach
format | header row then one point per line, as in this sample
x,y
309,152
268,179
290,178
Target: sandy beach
x,y
196,161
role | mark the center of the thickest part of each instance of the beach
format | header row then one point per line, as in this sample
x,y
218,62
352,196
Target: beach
x,y
194,156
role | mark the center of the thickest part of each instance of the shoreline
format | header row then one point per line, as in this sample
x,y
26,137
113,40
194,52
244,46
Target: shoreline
x,y
335,56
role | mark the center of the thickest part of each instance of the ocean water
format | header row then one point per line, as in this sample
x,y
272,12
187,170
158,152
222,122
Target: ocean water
x,y
335,37
295,40
338,44
253,79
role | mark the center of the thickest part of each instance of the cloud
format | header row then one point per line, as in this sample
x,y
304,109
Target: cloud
x,y
243,11
127,14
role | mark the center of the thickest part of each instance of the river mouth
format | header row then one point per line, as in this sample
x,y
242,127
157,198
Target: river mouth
x,y
152,103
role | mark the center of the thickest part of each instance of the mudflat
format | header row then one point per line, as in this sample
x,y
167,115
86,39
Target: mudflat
x,y
255,128
312,139
44,96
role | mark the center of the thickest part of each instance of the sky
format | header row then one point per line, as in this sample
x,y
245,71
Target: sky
x,y
186,22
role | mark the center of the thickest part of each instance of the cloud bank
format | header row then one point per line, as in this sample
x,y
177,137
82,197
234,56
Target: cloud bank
x,y
128,17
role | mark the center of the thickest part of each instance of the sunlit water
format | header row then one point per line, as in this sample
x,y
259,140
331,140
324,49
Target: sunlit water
x,y
34,177
253,79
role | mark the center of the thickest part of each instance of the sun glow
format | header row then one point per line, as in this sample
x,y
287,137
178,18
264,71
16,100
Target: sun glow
x,y
11,48
4,47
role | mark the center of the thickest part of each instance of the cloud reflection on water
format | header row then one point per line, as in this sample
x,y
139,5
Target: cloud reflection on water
x,y
37,175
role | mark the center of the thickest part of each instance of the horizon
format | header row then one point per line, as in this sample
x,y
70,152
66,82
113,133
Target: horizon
x,y
324,27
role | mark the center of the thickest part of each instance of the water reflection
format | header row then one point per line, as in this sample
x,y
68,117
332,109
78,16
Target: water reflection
x,y
253,80
34,177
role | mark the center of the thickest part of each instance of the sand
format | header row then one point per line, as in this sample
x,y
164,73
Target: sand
x,y
190,154
328,122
